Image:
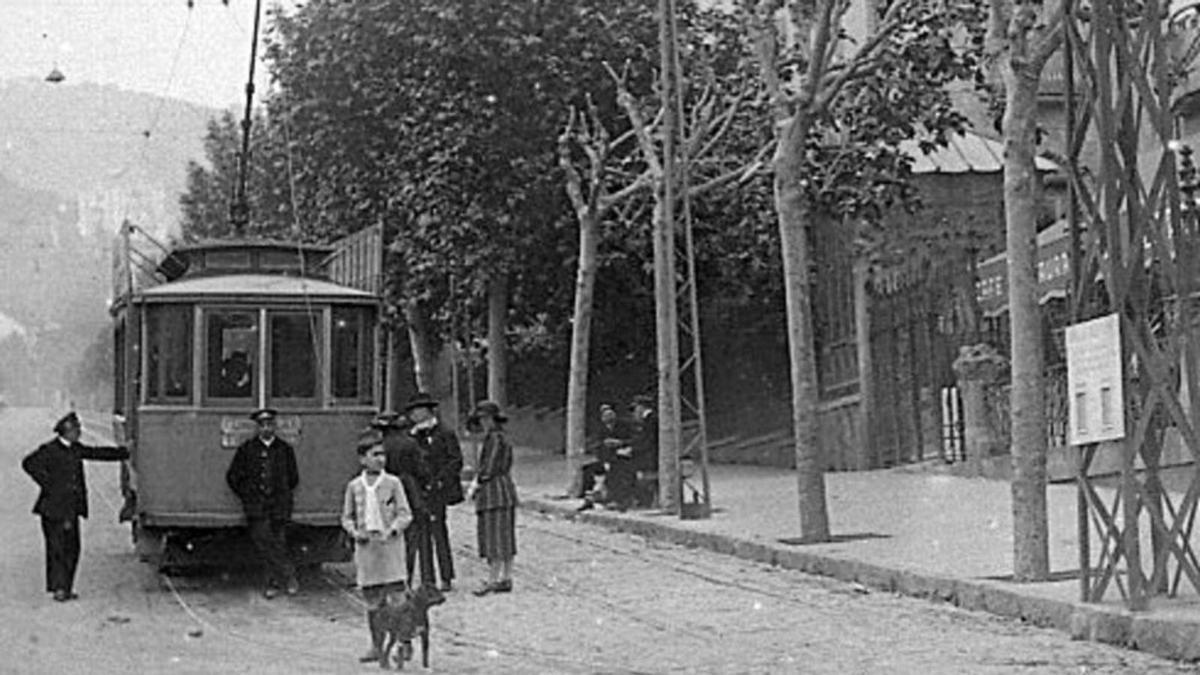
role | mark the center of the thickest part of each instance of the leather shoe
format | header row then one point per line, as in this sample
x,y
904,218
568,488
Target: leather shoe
x,y
587,505
369,657
484,590
502,586
61,596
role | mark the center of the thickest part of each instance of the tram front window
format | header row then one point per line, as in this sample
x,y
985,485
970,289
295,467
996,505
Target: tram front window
x,y
352,355
232,348
293,356
169,354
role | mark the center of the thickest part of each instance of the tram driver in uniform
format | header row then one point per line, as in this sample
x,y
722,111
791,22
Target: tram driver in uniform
x,y
263,475
57,467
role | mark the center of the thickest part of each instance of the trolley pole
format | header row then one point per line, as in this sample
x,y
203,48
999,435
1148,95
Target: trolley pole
x,y
239,209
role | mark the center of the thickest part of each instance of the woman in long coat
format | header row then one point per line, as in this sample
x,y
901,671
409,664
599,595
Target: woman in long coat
x,y
495,498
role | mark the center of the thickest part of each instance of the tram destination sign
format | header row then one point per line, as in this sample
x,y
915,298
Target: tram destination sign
x,y
236,429
1095,392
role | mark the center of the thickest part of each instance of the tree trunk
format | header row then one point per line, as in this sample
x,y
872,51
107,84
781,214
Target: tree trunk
x,y
581,333
665,299
667,331
421,343
864,458
497,344
792,207
391,394
1030,535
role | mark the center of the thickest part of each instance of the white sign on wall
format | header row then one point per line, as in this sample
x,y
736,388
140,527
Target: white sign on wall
x,y
1096,401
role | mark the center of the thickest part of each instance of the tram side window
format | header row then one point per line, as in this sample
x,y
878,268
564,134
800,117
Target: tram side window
x,y
119,368
169,354
232,351
352,355
293,356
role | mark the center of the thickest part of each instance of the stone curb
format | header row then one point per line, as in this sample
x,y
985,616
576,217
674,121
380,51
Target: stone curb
x,y
1176,639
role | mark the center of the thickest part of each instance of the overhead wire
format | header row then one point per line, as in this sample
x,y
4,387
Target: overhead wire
x,y
162,99
146,134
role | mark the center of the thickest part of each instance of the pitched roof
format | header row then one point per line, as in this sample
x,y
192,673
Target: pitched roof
x,y
964,153
256,286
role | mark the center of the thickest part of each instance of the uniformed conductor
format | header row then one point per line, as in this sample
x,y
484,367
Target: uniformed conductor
x,y
57,467
263,475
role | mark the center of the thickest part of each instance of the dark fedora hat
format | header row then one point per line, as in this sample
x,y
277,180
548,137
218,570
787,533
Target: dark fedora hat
x,y
69,419
264,414
420,400
490,409
369,438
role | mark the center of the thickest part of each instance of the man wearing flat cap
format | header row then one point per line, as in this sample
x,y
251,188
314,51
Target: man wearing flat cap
x,y
263,475
436,447
57,467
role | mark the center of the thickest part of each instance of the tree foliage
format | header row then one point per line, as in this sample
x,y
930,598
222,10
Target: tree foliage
x,y
211,188
440,118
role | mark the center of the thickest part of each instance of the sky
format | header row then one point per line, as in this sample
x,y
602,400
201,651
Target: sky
x,y
161,47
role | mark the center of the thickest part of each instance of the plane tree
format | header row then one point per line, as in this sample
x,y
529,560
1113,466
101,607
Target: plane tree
x,y
840,107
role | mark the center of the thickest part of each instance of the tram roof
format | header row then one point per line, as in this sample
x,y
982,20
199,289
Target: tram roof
x,y
257,286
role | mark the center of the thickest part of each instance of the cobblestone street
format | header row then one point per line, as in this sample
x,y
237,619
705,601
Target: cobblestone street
x,y
594,601
586,601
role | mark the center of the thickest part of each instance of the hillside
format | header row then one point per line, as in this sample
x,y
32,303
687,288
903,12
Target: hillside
x,y
75,161
72,138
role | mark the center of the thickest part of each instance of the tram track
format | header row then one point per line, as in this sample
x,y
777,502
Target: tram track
x,y
570,589
459,637
202,624
671,562
354,608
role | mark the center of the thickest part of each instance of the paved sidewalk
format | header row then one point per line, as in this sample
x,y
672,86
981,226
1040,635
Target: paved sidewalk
x,y
925,534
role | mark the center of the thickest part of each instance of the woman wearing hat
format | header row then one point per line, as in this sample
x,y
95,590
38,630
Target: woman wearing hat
x,y
495,498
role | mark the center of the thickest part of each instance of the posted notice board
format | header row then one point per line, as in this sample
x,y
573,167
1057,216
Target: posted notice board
x,y
1096,397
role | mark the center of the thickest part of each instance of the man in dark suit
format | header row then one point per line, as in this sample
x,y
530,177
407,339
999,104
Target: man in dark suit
x,y
645,441
263,475
57,467
406,460
613,435
437,446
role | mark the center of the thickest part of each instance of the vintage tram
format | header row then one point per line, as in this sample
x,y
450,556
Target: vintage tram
x,y
216,331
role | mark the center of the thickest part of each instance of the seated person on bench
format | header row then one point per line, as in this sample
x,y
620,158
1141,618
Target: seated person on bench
x,y
640,458
613,435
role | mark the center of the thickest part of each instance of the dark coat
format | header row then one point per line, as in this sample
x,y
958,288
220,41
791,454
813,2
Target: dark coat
x,y
406,460
645,444
496,488
610,439
264,477
439,447
58,471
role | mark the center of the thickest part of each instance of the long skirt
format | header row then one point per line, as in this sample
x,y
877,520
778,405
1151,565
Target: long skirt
x,y
496,533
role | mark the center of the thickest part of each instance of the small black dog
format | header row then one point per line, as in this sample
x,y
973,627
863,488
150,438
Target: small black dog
x,y
401,617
